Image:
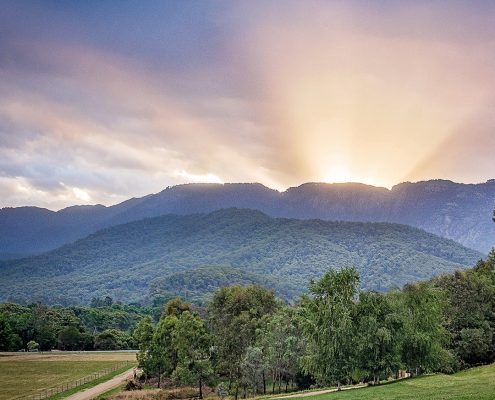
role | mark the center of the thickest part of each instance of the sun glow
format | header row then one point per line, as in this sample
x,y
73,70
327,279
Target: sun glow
x,y
339,174
343,174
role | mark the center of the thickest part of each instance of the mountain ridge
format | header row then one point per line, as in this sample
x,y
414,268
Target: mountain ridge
x,y
457,211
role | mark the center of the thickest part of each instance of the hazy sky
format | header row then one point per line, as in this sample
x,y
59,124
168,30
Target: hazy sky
x,y
101,101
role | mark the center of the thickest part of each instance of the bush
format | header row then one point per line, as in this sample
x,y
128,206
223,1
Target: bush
x,y
133,384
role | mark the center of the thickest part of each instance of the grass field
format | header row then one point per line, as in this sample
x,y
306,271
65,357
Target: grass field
x,y
473,384
22,374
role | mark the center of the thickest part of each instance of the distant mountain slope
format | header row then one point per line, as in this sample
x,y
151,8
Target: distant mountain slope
x,y
197,284
125,261
461,212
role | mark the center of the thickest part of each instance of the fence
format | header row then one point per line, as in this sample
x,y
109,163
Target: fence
x,y
46,393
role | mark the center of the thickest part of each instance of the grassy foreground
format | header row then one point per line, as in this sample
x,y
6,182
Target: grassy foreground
x,y
22,374
475,383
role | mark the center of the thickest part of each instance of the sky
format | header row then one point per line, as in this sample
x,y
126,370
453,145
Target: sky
x,y
101,101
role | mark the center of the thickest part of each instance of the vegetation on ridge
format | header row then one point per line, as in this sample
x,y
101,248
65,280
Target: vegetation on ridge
x,y
126,261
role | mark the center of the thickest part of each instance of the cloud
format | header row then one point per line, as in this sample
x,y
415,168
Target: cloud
x,y
374,92
208,178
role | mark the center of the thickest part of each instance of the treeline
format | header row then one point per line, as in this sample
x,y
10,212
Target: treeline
x,y
249,342
104,325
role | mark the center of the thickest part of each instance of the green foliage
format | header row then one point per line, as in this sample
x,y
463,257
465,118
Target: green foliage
x,y
143,336
425,336
336,334
222,390
9,340
280,339
156,257
73,328
33,346
192,344
163,351
252,367
71,338
328,326
113,339
379,334
235,314
454,210
175,307
470,313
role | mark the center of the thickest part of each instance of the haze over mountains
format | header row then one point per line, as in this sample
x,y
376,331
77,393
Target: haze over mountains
x,y
461,212
193,255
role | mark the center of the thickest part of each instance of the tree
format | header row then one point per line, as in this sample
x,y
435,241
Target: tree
x,y
33,346
222,390
469,312
378,328
252,369
175,307
107,301
235,313
424,333
281,342
328,326
46,336
143,334
192,343
71,338
111,339
9,340
163,353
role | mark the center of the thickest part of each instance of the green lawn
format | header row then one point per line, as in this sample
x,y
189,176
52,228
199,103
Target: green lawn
x,y
23,374
476,384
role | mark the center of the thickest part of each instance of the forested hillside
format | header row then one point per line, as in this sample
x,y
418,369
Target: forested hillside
x,y
160,254
456,211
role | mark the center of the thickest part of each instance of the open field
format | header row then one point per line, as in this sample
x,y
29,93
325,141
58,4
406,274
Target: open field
x,y
476,383
22,374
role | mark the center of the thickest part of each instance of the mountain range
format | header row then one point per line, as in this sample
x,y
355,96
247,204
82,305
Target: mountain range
x,y
191,255
461,212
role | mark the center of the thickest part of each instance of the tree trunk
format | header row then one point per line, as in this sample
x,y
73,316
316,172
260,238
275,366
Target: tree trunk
x,y
236,392
159,378
264,382
200,389
274,379
338,386
286,384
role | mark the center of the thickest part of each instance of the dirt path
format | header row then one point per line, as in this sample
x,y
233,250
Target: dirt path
x,y
307,394
90,393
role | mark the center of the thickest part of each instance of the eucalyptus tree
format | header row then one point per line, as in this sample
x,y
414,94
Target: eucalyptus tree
x,y
163,350
282,344
252,369
235,313
143,335
192,343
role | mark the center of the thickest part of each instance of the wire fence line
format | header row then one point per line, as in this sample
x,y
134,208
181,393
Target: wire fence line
x,y
48,392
